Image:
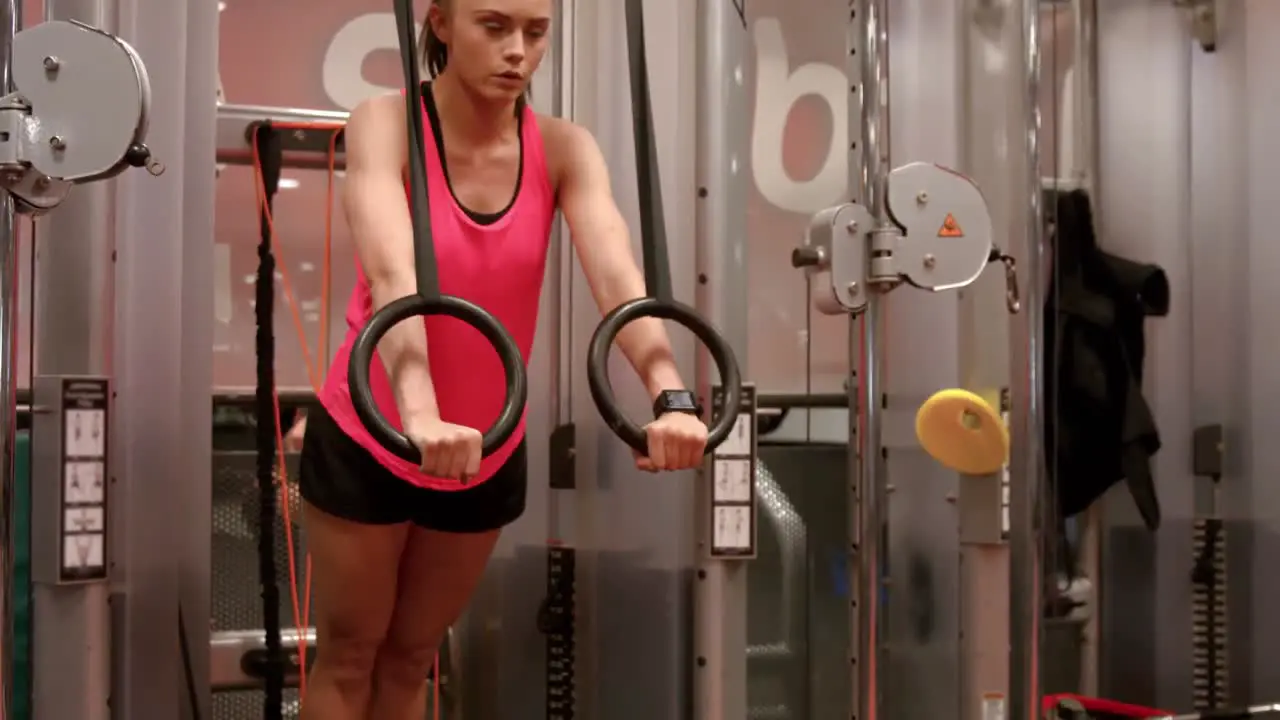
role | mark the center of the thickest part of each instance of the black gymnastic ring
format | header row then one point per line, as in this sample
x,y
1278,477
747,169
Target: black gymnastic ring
x,y
721,353
361,362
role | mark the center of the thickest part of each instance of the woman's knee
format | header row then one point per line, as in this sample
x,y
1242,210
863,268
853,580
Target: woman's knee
x,y
406,662
348,660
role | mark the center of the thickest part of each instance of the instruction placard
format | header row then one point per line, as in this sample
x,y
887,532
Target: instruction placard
x,y
83,520
733,494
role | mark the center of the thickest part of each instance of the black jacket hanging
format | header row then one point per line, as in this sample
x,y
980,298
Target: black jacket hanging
x,y
1098,428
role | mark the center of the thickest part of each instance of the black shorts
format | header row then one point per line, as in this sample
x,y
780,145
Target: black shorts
x,y
340,478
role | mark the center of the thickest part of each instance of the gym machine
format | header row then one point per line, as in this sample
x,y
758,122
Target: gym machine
x,y
53,137
925,226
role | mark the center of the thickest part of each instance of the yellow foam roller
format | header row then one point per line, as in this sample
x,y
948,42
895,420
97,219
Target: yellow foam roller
x,y
963,432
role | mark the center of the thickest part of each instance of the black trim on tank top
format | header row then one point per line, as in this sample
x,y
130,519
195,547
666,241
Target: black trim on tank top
x,y
433,116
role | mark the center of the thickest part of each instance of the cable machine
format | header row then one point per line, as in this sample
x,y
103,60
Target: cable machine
x,y
928,227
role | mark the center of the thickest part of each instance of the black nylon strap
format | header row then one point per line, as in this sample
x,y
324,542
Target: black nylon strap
x,y
270,162
653,224
424,252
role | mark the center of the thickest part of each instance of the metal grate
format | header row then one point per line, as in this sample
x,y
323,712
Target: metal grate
x,y
236,602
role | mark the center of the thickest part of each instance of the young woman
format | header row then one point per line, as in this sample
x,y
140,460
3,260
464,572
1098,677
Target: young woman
x,y
398,549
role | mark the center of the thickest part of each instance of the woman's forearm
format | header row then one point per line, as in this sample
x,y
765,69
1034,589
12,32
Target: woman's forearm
x,y
378,213
647,346
379,221
644,342
403,351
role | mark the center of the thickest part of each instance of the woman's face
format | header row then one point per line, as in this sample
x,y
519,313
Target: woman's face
x,y
494,45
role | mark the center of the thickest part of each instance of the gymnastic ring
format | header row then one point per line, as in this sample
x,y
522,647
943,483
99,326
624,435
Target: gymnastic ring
x,y
685,316
361,362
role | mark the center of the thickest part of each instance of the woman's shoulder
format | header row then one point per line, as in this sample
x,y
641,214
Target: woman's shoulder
x,y
375,133
563,141
379,109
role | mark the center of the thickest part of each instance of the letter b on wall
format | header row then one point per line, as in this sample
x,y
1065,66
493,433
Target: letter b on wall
x,y
777,91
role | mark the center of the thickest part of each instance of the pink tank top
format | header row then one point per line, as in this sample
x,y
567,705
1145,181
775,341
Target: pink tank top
x,y
498,266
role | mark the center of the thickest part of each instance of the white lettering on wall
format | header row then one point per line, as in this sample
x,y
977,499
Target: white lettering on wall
x,y
778,88
344,80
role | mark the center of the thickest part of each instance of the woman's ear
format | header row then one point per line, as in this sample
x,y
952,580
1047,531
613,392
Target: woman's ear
x,y
439,22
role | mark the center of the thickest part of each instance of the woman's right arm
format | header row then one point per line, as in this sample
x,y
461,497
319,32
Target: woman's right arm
x,y
378,213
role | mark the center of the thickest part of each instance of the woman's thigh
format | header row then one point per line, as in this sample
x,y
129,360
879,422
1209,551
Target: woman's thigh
x,y
439,572
355,572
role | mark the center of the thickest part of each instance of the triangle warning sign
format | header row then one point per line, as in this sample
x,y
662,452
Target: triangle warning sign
x,y
950,228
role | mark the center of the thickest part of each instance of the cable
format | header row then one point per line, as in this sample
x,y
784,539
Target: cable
x,y
264,346
184,646
316,370
301,598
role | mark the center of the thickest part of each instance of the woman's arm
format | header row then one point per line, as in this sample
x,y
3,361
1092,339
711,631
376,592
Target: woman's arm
x,y
378,213
603,244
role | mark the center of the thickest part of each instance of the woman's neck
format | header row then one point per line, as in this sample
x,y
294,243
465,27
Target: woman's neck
x,y
467,116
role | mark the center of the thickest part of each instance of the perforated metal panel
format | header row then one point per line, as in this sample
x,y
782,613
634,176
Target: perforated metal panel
x,y
237,602
797,614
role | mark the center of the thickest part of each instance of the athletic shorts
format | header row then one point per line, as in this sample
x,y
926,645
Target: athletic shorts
x,y
340,478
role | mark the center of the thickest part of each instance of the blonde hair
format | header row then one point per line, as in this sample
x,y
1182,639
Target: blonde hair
x,y
433,52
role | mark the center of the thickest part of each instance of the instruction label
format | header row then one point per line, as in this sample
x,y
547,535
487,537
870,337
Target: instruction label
x,y
84,479
733,496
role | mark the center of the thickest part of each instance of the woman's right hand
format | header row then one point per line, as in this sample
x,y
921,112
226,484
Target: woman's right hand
x,y
448,450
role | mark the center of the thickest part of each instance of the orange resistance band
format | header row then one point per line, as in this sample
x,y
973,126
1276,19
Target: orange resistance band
x,y
315,373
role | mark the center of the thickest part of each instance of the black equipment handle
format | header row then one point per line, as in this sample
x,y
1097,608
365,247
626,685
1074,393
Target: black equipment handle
x,y
657,274
428,300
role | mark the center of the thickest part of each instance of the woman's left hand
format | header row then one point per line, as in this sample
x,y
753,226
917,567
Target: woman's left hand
x,y
676,442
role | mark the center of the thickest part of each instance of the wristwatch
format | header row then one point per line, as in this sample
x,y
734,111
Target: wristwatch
x,y
676,401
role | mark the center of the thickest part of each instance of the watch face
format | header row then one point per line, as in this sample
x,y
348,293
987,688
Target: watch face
x,y
679,400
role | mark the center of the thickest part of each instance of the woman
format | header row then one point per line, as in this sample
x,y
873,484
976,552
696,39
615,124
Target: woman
x,y
397,549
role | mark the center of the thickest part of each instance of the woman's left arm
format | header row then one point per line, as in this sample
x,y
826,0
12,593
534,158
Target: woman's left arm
x,y
603,244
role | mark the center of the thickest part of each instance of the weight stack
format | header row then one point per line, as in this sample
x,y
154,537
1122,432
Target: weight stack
x,y
1209,615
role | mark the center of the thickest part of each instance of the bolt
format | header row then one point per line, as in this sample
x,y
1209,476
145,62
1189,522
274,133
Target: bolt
x,y
922,197
52,64
852,227
57,142
852,289
929,262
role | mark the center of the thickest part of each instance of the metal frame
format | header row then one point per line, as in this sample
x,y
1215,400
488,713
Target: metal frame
x,y
1027,516
158,356
720,587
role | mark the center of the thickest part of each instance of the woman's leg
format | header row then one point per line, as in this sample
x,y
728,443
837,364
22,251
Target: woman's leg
x,y
444,559
353,589
356,527
438,573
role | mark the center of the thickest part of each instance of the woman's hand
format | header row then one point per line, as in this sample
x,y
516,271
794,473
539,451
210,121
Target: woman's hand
x,y
293,439
448,450
677,441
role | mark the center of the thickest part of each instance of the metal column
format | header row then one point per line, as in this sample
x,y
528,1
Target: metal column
x,y
870,60
1026,466
73,282
10,21
720,587
162,374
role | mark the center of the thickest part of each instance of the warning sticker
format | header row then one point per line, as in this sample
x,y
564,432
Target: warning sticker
x,y
950,228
